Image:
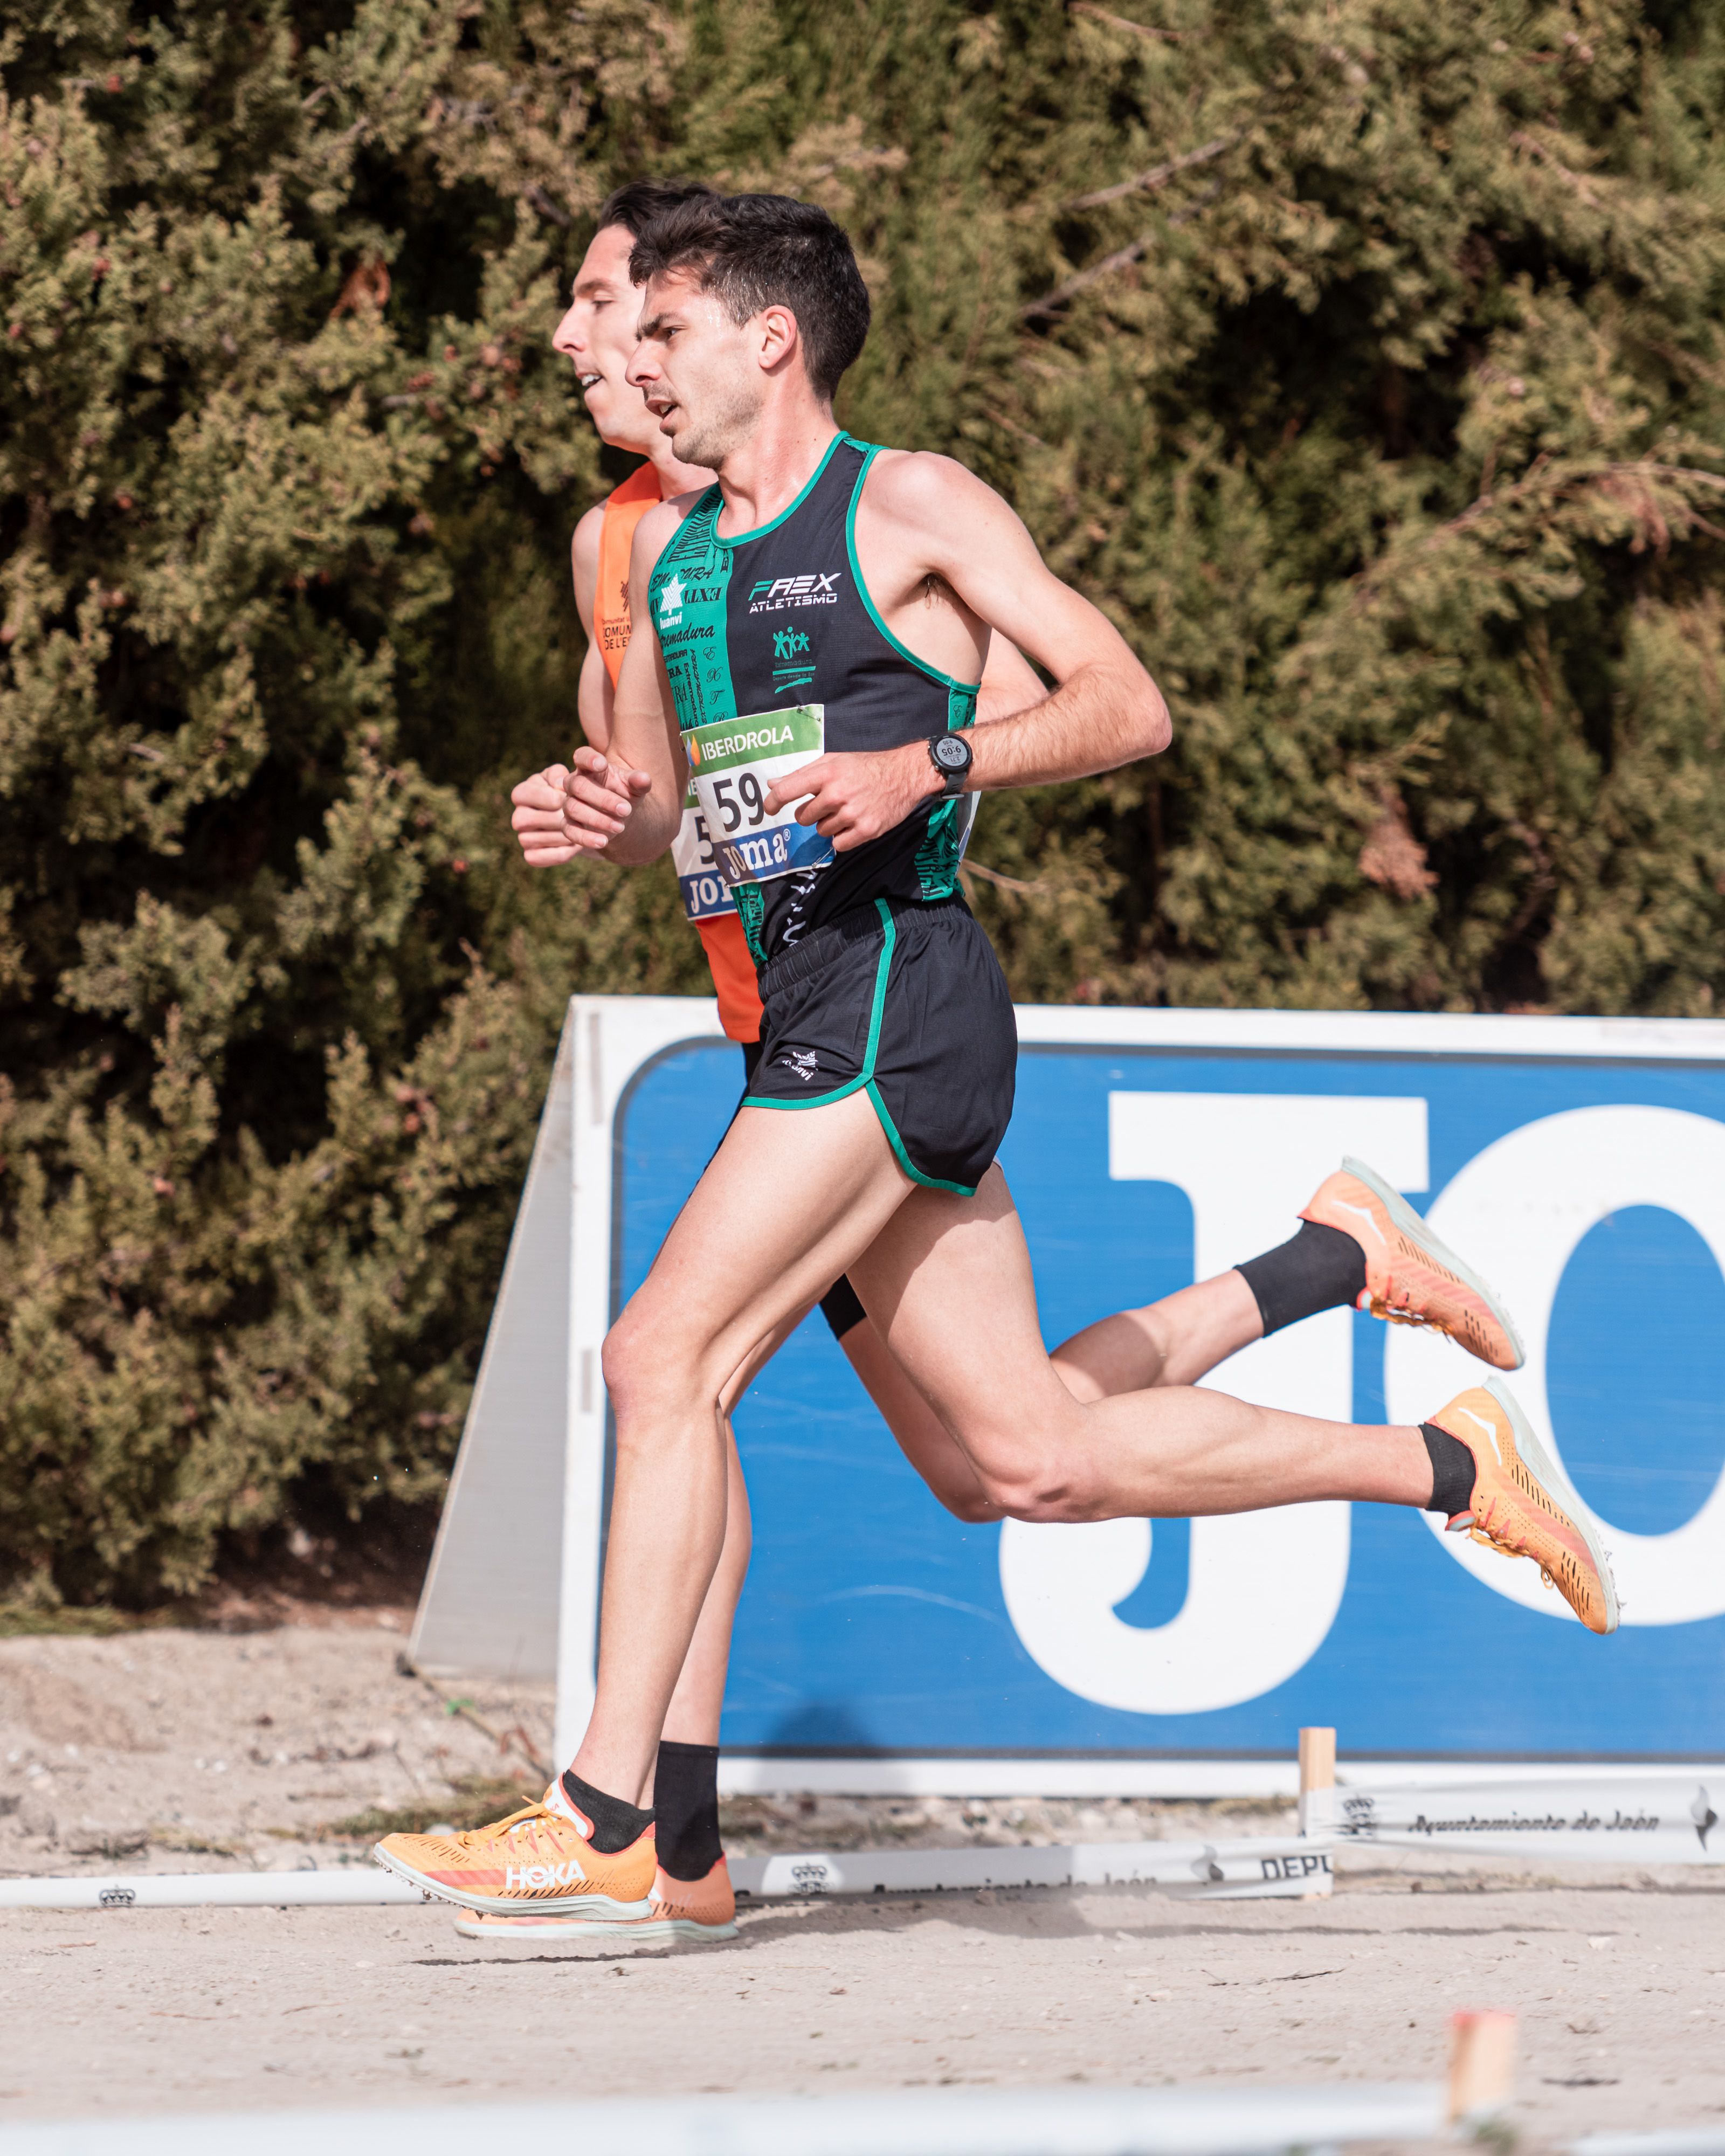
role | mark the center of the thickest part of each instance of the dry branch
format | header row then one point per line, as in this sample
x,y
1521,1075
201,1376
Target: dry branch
x,y
1147,182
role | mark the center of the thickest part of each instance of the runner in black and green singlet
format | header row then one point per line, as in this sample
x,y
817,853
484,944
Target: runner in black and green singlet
x,y
824,771
777,625
777,655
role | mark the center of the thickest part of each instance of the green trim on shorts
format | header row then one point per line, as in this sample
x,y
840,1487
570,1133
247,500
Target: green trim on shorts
x,y
916,1174
814,1100
865,1080
866,1076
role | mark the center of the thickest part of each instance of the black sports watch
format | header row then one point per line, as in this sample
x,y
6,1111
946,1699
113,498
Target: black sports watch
x,y
951,756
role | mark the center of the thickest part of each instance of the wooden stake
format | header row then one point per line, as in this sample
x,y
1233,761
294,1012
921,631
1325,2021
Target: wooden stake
x,y
1482,2065
1318,1780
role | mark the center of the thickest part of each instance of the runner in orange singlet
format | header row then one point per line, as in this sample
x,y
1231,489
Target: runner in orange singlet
x,y
705,898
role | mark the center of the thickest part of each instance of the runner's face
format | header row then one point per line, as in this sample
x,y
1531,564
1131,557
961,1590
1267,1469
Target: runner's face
x,y
596,336
699,370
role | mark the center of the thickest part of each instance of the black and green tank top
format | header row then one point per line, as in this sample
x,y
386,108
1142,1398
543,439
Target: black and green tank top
x,y
777,653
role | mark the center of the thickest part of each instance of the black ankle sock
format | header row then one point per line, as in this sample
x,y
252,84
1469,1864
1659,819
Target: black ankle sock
x,y
1452,1471
685,1804
1319,1269
615,1825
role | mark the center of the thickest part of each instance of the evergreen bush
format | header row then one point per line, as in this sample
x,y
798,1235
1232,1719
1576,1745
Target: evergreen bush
x,y
1363,362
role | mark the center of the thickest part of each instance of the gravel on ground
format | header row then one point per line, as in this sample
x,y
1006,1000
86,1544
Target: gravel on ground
x,y
165,1750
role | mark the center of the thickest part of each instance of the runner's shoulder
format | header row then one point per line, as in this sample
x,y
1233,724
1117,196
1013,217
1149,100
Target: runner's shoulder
x,y
918,484
658,527
584,546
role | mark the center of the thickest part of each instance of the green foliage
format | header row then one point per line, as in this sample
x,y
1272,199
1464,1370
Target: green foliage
x,y
1362,360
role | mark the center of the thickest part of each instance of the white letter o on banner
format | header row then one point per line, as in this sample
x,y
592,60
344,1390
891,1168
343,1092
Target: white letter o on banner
x,y
1516,1211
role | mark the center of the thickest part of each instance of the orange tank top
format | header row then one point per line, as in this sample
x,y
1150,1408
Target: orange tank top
x,y
705,899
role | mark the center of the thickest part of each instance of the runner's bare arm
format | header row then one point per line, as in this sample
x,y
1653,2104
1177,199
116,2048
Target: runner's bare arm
x,y
593,694
626,803
537,802
926,517
1010,684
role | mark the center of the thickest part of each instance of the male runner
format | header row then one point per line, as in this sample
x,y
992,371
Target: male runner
x,y
887,1023
1174,1340
692,1893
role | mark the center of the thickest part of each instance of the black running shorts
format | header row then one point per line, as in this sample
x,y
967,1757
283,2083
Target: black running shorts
x,y
908,1003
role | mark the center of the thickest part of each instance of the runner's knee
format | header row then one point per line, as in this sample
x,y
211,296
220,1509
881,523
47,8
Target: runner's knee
x,y
647,1375
1020,1476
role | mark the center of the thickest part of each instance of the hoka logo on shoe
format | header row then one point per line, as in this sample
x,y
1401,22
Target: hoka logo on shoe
x,y
1496,1447
1360,1212
533,1878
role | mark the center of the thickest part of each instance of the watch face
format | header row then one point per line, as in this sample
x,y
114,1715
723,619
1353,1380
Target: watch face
x,y
951,755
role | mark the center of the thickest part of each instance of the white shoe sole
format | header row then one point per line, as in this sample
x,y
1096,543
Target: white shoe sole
x,y
649,1931
1547,1472
1419,1231
583,1908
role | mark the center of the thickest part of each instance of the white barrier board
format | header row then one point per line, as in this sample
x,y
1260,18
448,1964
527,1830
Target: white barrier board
x,y
1579,1164
1065,2121
1247,1869
1225,1871
1608,1819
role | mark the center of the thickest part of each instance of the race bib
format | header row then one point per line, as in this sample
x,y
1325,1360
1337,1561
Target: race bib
x,y
732,766
704,892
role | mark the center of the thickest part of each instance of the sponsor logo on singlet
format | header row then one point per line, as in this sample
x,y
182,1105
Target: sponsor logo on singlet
x,y
794,670
613,626
774,594
675,594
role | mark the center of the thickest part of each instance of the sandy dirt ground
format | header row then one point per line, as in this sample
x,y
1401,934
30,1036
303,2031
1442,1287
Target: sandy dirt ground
x,y
174,1751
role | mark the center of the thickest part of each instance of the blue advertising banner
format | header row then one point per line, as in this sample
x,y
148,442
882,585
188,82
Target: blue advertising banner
x,y
1591,1191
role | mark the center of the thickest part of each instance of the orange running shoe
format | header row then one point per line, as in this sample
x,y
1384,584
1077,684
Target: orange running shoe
x,y
1411,1278
537,1858
1515,1509
703,1909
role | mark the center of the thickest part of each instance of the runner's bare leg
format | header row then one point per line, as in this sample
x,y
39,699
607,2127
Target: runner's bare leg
x,y
1169,1451
787,1203
1172,1342
696,1704
950,1280
699,1700
1169,1342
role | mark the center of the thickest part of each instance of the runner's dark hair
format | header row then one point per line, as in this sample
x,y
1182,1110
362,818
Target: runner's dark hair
x,y
637,202
756,251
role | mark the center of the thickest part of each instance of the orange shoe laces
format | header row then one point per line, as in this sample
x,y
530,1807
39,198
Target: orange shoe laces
x,y
1481,1531
1398,1313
